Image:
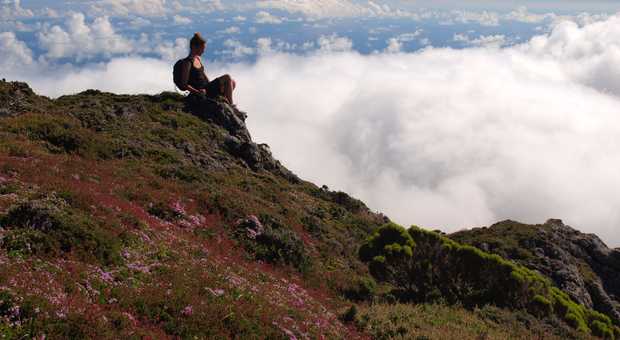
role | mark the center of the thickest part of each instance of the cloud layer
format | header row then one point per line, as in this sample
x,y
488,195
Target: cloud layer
x,y
440,138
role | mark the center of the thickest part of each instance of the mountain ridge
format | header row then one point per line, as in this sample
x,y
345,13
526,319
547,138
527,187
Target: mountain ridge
x,y
146,216
581,264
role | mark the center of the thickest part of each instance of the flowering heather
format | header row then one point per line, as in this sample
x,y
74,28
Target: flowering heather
x,y
169,228
178,208
187,311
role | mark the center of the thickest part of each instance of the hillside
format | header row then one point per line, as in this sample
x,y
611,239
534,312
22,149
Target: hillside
x,y
129,216
580,264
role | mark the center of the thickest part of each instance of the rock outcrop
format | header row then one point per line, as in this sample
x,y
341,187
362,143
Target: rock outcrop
x,y
18,97
239,142
580,264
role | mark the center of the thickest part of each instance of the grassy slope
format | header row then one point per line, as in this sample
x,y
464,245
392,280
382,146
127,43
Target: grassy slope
x,y
120,218
141,204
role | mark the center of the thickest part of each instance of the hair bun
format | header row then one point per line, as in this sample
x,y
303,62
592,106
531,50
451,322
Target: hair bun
x,y
197,40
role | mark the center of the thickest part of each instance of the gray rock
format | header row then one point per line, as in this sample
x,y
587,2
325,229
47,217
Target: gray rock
x,y
580,264
238,142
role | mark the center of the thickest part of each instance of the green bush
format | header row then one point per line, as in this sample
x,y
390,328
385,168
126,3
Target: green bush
x,y
273,243
388,251
361,289
61,133
350,314
440,267
48,226
541,306
601,330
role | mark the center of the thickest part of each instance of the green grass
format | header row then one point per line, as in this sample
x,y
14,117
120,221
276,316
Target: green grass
x,y
48,226
436,321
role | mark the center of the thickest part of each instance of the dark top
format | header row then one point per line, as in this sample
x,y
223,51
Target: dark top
x,y
195,77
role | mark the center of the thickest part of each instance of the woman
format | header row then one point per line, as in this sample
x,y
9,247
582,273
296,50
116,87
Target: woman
x,y
194,79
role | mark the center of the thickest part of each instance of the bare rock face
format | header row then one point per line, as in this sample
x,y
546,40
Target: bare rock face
x,y
239,142
580,264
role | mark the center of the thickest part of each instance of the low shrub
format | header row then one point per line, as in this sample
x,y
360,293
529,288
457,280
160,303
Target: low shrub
x,y
360,289
540,306
469,276
602,330
349,315
164,212
48,226
389,254
61,134
272,242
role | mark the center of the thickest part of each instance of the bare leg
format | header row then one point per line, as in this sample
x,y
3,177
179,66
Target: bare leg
x,y
228,85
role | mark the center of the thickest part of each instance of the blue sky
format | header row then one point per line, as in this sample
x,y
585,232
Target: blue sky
x,y
294,26
442,114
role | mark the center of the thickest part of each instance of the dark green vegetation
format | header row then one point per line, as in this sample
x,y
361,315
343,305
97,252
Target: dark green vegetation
x,y
589,269
122,216
424,266
127,217
47,226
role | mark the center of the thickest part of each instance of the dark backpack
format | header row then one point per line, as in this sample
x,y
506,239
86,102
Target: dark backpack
x,y
176,73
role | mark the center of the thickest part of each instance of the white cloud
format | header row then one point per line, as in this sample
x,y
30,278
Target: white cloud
x,y
15,53
334,43
316,8
393,45
488,41
139,22
181,20
263,45
149,8
521,14
263,17
12,9
82,39
237,49
441,137
172,51
484,18
147,76
239,18
231,30
410,36
455,138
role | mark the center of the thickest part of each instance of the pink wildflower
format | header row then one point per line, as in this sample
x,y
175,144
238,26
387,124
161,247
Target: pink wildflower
x,y
178,208
105,276
197,220
188,310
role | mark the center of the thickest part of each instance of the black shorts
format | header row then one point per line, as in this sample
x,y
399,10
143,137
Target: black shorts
x,y
216,87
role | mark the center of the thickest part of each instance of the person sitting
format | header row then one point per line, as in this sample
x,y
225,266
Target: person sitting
x,y
191,75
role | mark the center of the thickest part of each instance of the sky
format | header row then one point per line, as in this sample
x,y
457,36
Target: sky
x,y
437,113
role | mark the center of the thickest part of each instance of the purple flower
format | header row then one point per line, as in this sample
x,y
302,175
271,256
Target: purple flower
x,y
188,310
178,208
105,276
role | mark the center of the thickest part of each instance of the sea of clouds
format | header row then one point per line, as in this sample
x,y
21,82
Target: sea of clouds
x,y
441,138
